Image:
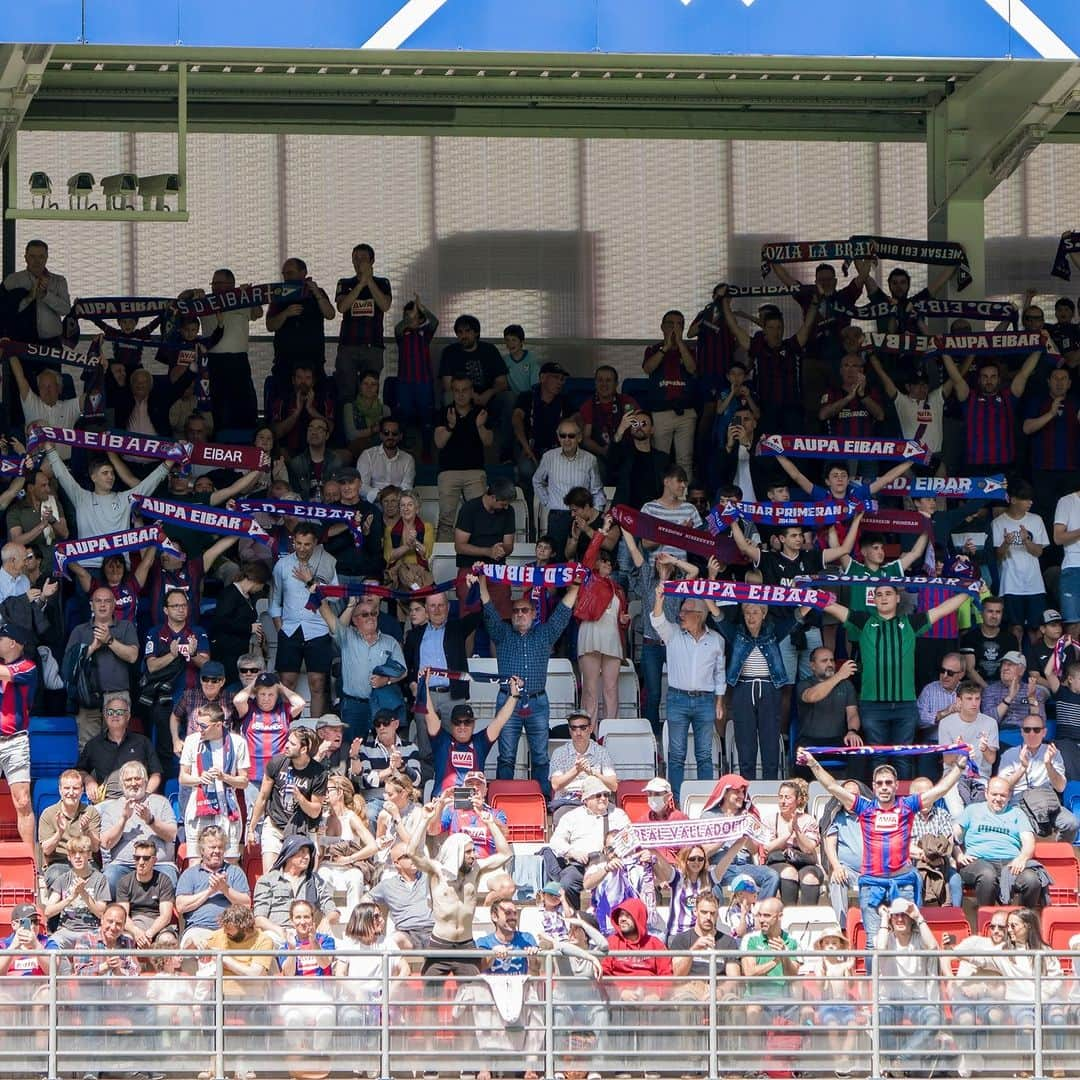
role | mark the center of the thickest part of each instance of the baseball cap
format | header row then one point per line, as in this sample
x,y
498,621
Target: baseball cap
x,y
1051,615
267,678
329,720
1015,657
476,774
24,911
464,709
744,883
347,474
552,888
658,786
551,368
16,633
213,669
899,906
302,722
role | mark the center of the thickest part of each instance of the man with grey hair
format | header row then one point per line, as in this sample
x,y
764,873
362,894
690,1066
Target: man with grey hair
x,y
697,683
562,469
13,582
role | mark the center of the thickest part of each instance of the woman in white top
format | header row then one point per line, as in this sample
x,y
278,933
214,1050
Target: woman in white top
x,y
399,818
1018,970
346,845
795,851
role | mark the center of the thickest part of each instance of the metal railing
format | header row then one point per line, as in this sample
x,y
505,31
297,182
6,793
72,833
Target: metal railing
x,y
369,1020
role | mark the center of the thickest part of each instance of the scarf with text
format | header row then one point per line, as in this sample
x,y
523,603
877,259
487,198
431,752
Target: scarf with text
x,y
119,543
551,576
969,344
870,247
384,592
109,441
121,307
1066,651
991,488
57,354
693,833
836,447
647,527
1068,245
782,514
225,456
739,592
306,510
202,518
15,464
904,584
207,802
897,521
247,296
963,750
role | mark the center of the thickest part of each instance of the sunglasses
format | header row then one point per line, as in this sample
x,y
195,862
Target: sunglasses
x,y
522,610
249,670
142,858
387,723
696,858
579,727
998,926
948,671
1030,730
211,678
567,434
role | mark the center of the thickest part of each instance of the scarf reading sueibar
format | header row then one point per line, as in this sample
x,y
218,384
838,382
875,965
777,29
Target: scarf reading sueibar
x,y
202,518
695,832
109,441
738,592
868,247
904,584
307,511
121,307
207,803
831,446
57,354
991,488
247,296
902,750
1067,245
384,592
782,514
647,527
551,576
990,342
90,547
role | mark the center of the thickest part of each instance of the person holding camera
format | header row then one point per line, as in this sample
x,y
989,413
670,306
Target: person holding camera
x,y
638,479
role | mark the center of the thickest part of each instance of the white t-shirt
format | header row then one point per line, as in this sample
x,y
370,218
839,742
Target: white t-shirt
x,y
914,414
1068,514
683,514
64,414
237,331
1020,572
953,730
189,759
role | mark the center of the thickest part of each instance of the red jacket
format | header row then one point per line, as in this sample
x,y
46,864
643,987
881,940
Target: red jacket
x,y
652,960
595,595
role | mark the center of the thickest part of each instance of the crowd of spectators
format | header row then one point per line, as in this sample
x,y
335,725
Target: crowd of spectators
x,y
261,778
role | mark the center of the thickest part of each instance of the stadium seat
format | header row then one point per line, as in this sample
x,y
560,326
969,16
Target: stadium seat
x,y
18,873
804,924
634,755
628,788
985,914
1060,862
630,797
46,793
523,803
443,561
54,745
579,390
693,795
947,920
561,687
8,828
1059,924
1070,797
629,690
624,725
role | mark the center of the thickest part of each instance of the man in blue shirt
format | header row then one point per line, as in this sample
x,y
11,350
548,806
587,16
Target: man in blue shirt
x,y
996,838
524,648
507,938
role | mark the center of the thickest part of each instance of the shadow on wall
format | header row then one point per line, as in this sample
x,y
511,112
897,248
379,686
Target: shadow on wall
x,y
557,265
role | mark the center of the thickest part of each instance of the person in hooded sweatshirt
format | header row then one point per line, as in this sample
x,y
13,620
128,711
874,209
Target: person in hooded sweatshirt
x,y
292,878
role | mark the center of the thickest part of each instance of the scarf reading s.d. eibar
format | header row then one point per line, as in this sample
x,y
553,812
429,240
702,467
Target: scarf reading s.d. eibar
x,y
1067,245
247,296
121,307
830,446
737,592
903,750
552,576
307,511
868,247
990,488
202,518
90,547
904,584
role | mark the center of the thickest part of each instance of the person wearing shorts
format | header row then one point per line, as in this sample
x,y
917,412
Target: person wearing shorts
x,y
18,684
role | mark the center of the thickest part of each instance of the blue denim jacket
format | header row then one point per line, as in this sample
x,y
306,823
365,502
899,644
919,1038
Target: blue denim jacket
x,y
741,644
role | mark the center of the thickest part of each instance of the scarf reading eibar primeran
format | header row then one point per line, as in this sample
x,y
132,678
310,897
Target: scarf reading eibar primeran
x,y
869,247
816,515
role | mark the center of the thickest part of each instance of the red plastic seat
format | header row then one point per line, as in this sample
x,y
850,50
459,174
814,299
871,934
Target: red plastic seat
x,y
947,920
1059,925
251,864
627,789
1060,862
525,808
8,828
18,873
985,914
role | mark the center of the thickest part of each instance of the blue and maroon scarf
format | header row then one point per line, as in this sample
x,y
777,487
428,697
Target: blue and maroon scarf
x,y
207,803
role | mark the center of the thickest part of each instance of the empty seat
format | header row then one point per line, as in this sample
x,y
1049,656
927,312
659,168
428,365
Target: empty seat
x,y
54,745
629,690
624,725
18,873
633,755
46,793
947,920
8,827
523,803
805,924
443,561
1059,924
1060,862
